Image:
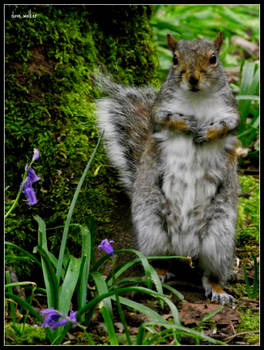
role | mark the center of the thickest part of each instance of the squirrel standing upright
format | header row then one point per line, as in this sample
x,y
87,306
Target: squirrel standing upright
x,y
176,154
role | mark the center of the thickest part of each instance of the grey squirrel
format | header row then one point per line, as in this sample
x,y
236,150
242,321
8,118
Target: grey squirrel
x,y
176,154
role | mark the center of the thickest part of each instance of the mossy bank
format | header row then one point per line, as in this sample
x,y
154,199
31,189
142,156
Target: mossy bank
x,y
50,52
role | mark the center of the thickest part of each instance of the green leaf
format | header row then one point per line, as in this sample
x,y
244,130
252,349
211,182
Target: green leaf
x,y
255,122
256,278
121,268
42,239
106,307
183,331
246,281
161,336
69,284
30,308
32,257
100,262
173,290
92,304
144,261
207,317
97,170
248,88
153,315
9,289
50,278
85,267
173,308
232,16
47,263
109,325
247,97
102,288
92,227
70,212
15,284
26,305
149,268
248,80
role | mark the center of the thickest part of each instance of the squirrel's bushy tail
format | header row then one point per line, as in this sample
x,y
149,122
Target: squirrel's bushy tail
x,y
124,116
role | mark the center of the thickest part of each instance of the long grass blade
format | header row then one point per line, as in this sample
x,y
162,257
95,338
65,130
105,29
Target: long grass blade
x,y
153,315
102,288
70,212
246,281
144,261
10,290
255,278
184,330
32,257
47,263
89,307
50,279
69,284
42,239
106,307
25,304
18,284
85,268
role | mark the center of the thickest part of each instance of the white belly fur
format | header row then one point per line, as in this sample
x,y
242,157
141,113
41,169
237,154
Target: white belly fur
x,y
185,188
187,172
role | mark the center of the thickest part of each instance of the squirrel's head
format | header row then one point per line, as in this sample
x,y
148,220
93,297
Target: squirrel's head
x,y
196,63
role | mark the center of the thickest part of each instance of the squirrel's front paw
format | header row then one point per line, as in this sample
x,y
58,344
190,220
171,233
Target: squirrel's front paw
x,y
200,135
180,122
210,132
217,130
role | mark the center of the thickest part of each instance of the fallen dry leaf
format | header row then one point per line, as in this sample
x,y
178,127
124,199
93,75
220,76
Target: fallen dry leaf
x,y
192,314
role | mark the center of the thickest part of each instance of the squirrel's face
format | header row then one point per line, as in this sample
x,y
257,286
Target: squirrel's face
x,y
196,63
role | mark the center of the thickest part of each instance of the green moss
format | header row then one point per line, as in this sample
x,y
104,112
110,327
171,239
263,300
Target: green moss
x,y
248,211
50,105
249,323
18,334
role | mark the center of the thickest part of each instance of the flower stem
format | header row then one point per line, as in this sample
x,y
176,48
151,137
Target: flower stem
x,y
19,192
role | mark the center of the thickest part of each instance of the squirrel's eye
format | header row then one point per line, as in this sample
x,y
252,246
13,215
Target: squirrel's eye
x,y
212,59
175,60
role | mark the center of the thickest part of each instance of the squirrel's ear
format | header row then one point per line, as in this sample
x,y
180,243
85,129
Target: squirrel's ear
x,y
171,42
218,40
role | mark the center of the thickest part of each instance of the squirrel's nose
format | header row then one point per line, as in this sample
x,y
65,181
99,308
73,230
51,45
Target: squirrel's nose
x,y
193,80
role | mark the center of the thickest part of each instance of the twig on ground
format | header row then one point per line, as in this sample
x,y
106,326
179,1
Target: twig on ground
x,y
231,337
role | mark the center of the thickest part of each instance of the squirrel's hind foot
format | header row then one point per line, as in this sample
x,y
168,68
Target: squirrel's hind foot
x,y
164,274
217,293
223,298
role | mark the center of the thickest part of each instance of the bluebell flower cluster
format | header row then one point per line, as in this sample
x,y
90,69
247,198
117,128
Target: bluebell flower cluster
x,y
27,187
52,318
106,246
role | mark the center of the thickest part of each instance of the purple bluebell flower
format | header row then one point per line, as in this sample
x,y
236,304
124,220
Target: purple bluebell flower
x,y
52,317
28,189
30,194
35,154
32,176
106,246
